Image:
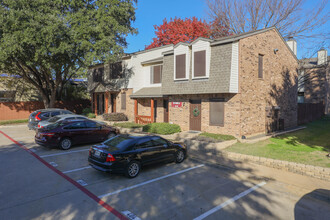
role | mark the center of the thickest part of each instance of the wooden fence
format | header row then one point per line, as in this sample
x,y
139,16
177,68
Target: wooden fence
x,y
22,110
308,112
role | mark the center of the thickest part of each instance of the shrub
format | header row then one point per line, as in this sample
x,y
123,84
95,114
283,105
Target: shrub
x,y
85,111
91,115
162,128
114,117
128,125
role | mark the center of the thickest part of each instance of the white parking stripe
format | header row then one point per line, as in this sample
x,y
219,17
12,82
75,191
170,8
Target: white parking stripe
x,y
230,201
68,152
83,168
150,181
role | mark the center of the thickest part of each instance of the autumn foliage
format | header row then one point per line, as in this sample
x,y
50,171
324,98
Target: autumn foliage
x,y
184,30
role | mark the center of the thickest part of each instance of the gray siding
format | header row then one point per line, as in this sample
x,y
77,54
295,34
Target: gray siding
x,y
218,81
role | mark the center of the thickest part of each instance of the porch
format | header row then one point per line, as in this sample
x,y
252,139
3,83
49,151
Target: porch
x,y
150,106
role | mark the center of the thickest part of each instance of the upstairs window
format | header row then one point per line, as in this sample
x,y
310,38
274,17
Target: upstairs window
x,y
156,74
200,63
180,66
98,74
261,66
116,71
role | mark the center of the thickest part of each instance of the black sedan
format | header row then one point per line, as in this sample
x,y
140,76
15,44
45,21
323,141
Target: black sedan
x,y
78,131
127,154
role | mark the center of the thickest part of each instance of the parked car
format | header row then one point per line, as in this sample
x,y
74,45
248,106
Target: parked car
x,y
127,154
44,114
58,118
65,134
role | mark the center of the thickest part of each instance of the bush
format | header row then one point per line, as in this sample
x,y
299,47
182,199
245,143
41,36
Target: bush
x,y
114,117
127,125
86,111
91,115
162,128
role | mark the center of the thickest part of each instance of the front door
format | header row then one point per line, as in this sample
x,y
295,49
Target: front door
x,y
113,102
100,103
195,115
165,110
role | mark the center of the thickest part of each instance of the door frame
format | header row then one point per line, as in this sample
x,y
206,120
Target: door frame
x,y
192,104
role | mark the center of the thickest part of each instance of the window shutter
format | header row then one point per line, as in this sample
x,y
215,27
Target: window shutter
x,y
260,66
123,101
217,112
200,63
180,68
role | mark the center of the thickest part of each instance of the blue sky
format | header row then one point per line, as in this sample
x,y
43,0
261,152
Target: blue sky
x,y
152,12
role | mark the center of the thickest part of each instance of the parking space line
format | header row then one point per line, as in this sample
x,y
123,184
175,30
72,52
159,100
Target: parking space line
x,y
150,181
77,185
69,152
230,201
83,168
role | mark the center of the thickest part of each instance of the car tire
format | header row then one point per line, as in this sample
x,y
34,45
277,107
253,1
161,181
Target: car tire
x,y
111,135
65,144
179,156
133,169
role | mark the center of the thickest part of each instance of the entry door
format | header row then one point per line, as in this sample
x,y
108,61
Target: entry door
x,y
165,110
100,104
113,102
195,115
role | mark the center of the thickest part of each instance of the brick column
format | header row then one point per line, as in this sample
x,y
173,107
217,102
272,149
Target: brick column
x,y
135,110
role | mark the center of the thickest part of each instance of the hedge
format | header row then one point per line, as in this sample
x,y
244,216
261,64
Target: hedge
x,y
161,128
115,117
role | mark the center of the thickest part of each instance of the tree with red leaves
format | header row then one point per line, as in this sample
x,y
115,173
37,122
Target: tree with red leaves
x,y
184,30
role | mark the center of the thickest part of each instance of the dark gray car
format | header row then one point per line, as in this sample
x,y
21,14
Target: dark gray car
x,y
44,114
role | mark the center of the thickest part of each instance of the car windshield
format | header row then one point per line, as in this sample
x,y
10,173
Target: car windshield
x,y
54,119
118,143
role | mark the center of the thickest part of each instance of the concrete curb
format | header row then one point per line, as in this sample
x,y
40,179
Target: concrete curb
x,y
306,170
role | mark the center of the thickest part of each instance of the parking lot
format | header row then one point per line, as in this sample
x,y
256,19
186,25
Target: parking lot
x,y
42,183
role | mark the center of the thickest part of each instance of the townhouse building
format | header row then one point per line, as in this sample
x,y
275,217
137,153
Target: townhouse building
x,y
239,85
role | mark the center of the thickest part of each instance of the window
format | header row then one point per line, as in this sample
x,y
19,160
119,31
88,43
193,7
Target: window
x,y
77,125
123,101
159,141
217,112
260,66
55,113
145,143
116,71
156,74
180,66
91,124
200,63
98,74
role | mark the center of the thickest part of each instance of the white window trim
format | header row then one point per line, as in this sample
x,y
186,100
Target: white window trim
x,y
185,51
152,75
207,60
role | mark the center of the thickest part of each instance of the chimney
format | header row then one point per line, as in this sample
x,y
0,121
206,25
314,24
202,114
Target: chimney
x,y
292,43
322,56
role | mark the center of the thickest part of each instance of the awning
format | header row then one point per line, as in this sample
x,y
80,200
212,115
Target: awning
x,y
148,92
153,61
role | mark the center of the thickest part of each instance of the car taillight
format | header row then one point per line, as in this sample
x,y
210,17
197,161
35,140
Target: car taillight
x,y
110,158
48,134
37,118
40,126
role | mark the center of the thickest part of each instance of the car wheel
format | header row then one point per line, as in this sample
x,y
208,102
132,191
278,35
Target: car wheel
x,y
133,169
111,135
179,156
65,144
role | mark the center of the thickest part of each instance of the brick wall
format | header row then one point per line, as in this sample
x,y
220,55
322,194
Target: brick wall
x,y
129,111
22,110
277,88
144,108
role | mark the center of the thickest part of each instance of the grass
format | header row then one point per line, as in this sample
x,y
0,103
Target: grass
x,y
17,121
161,128
308,146
128,125
218,137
